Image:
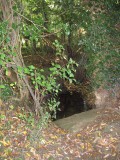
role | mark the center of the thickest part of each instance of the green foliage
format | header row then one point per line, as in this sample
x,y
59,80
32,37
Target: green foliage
x,y
101,45
3,40
59,48
5,91
42,85
27,117
100,41
2,117
53,104
49,85
88,27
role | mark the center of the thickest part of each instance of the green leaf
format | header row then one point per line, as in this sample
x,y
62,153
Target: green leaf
x,y
71,75
20,69
2,86
41,70
2,56
2,116
32,74
36,86
31,67
26,70
6,72
14,26
7,39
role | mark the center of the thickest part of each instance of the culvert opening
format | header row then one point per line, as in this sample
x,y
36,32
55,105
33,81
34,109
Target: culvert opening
x,y
70,104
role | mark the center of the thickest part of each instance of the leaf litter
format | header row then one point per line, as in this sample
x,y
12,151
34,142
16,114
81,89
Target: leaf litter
x,y
19,141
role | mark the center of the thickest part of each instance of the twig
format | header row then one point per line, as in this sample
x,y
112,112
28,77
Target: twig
x,y
43,36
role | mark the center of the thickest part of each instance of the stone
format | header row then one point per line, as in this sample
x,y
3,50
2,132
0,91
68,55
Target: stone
x,y
76,122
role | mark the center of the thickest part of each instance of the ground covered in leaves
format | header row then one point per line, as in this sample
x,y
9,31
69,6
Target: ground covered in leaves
x,y
22,139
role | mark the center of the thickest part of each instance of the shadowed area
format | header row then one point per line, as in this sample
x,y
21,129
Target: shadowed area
x,y
70,103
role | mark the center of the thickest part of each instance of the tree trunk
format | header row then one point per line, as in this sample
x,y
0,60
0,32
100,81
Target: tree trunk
x,y
13,19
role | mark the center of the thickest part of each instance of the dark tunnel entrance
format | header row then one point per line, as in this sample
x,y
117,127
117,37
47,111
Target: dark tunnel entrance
x,y
70,103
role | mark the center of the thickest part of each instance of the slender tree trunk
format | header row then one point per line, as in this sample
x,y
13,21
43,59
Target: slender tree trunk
x,y
45,15
69,47
13,32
